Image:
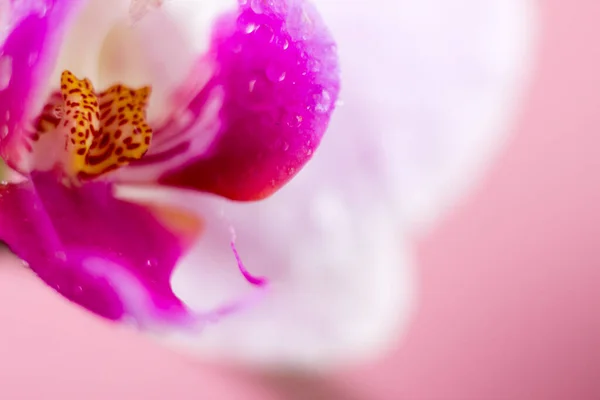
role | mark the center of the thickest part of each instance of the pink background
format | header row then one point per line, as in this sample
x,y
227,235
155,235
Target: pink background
x,y
509,281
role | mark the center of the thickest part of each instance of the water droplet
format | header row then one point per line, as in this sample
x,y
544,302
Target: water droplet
x,y
294,121
285,146
78,289
257,6
246,23
5,71
61,255
309,152
264,33
273,182
7,115
322,102
151,262
259,92
275,72
4,130
251,27
291,171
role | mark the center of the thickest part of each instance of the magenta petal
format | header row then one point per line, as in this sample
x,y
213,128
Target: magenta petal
x,y
110,256
27,57
277,68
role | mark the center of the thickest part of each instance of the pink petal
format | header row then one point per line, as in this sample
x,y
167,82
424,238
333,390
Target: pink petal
x,y
27,57
110,256
262,113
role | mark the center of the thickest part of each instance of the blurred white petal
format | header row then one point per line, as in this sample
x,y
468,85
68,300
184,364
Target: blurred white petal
x,y
431,87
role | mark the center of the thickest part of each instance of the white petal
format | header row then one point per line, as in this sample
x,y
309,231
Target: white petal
x,y
433,85
341,277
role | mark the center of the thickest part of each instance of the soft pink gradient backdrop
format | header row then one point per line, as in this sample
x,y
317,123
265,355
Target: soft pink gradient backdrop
x,y
509,281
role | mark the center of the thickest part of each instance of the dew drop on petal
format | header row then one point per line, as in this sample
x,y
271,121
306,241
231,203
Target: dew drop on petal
x,y
257,6
275,72
282,42
322,102
294,121
151,263
5,71
251,27
246,24
264,33
259,90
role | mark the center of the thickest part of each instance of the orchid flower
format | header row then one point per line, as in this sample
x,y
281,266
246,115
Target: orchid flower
x,y
428,90
96,95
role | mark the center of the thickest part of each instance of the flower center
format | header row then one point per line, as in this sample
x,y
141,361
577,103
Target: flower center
x,y
102,131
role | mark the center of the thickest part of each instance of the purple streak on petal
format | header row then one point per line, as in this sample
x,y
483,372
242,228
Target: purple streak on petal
x,y
254,280
277,68
27,57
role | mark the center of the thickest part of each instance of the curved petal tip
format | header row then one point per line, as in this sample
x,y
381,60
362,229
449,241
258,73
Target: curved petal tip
x,y
28,51
113,257
277,67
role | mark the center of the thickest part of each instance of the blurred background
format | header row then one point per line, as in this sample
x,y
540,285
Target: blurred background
x,y
506,279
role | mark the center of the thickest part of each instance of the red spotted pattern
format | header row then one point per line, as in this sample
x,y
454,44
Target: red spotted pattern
x,y
101,132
